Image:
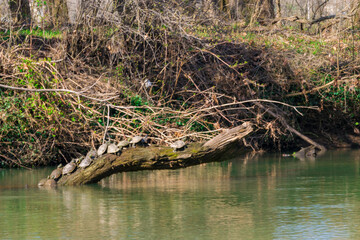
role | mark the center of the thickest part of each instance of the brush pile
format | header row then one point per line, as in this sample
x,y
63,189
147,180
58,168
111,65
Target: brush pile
x,y
141,70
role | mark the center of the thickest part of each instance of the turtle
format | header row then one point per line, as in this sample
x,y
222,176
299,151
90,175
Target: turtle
x,y
69,168
178,145
50,183
102,149
78,160
122,144
137,140
90,156
42,182
56,174
113,148
86,162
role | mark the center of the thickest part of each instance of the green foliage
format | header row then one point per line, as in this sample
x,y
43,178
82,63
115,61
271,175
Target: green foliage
x,y
38,32
137,101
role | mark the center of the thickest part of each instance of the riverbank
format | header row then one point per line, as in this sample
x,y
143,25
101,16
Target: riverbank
x,y
62,94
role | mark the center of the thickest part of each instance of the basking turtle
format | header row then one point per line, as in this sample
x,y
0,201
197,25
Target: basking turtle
x,y
178,145
138,140
42,182
90,156
123,144
86,162
47,182
56,174
112,148
50,183
102,149
78,160
69,168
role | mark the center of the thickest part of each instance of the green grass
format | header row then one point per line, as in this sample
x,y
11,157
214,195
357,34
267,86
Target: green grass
x,y
47,34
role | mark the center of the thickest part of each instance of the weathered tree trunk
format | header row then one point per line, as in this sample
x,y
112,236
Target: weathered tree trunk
x,y
37,12
58,12
5,13
73,7
156,157
264,11
278,9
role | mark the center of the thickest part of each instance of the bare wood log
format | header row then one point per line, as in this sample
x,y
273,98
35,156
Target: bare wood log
x,y
156,157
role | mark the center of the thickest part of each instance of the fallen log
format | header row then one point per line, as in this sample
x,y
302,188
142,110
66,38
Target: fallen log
x,y
156,157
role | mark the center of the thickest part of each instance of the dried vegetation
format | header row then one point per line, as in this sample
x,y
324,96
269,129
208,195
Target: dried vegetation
x,y
149,69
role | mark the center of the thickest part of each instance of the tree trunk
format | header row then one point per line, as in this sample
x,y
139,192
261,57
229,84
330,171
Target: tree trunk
x,y
156,157
355,8
264,11
73,7
278,12
5,13
20,11
58,12
38,9
278,9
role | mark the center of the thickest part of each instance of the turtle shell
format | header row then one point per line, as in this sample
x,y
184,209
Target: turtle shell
x,y
69,168
112,148
42,182
92,154
56,174
178,144
102,149
136,139
123,144
50,183
86,162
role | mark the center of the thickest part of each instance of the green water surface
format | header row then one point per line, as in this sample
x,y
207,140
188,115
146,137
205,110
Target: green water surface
x,y
261,197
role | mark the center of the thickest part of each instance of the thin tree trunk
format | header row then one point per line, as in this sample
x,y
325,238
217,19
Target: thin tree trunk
x,y
278,11
59,12
37,12
73,7
264,11
5,13
20,11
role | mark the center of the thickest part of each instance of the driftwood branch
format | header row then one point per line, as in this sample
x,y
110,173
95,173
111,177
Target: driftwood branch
x,y
157,157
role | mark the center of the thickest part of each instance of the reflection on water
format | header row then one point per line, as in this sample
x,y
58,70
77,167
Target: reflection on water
x,y
265,197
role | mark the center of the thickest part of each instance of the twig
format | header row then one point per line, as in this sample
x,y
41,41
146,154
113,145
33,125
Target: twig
x,y
107,122
57,90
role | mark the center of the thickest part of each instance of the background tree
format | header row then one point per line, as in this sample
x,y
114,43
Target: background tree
x,y
20,11
264,11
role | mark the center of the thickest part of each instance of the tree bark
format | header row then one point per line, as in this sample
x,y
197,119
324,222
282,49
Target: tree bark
x,y
278,9
5,13
73,7
264,11
157,157
20,11
59,12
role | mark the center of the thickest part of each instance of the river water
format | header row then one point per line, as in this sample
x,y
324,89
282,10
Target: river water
x,y
261,197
